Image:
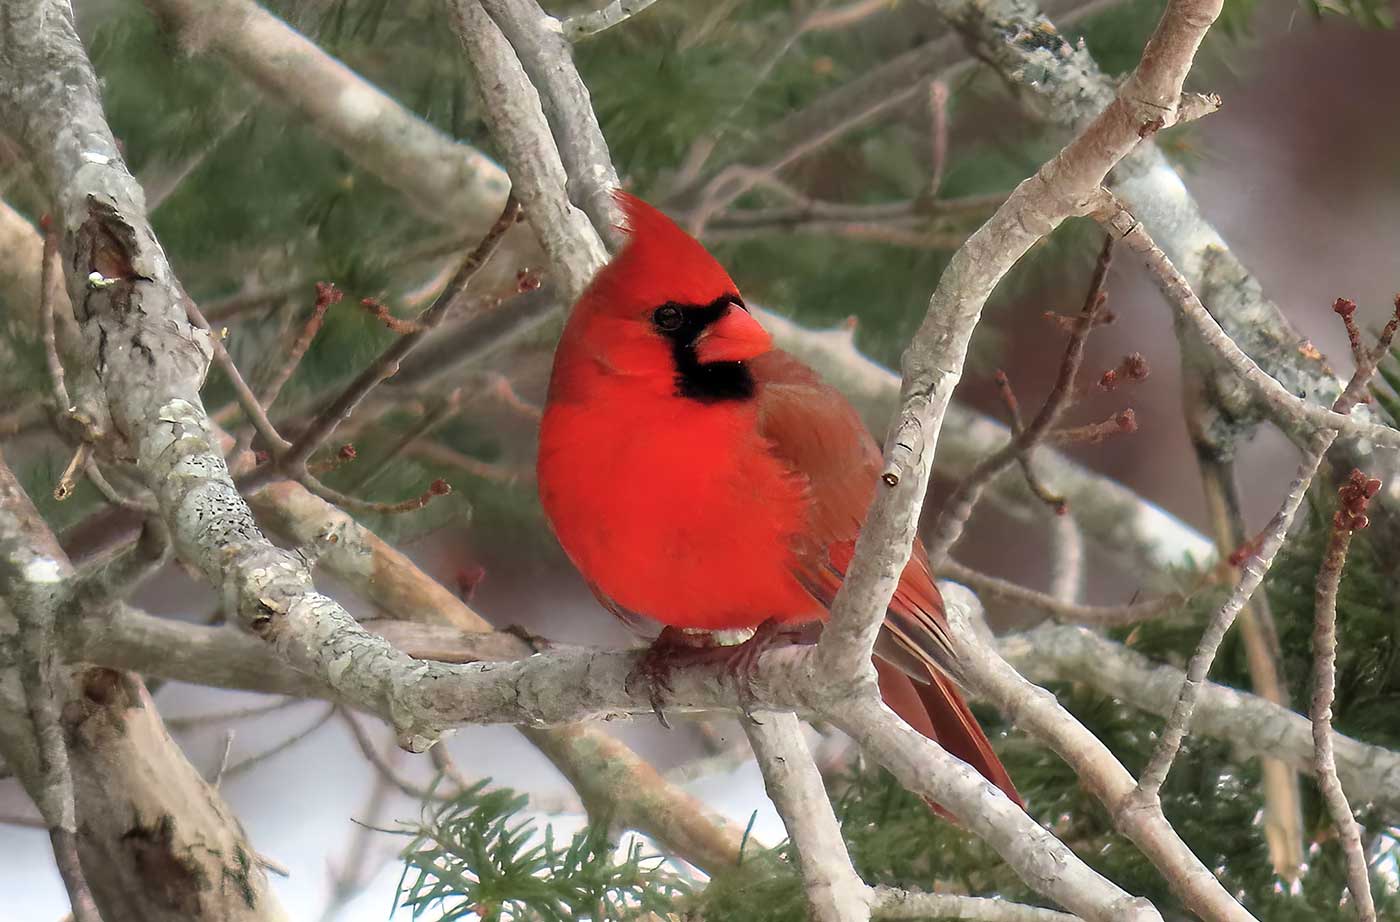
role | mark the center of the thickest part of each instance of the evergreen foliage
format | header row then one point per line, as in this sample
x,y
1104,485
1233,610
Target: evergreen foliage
x,y
267,201
475,857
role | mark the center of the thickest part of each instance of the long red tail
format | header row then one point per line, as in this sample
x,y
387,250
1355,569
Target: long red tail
x,y
937,710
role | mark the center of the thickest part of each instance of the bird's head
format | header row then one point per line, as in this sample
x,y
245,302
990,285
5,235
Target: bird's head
x,y
663,307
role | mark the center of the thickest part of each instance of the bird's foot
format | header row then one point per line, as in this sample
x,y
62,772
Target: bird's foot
x,y
535,642
672,649
741,660
675,649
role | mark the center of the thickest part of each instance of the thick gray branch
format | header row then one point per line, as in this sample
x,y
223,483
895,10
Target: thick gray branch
x,y
516,117
547,58
446,181
918,907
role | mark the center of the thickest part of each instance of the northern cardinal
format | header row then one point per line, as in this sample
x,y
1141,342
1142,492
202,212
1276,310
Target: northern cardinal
x,y
702,479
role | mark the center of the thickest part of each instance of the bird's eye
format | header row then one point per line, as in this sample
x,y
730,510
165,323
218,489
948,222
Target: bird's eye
x,y
667,317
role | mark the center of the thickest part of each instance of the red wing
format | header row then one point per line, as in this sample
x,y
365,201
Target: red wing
x,y
819,434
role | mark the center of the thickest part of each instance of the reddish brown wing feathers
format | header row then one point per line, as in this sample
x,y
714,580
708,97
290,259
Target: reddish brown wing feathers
x,y
816,431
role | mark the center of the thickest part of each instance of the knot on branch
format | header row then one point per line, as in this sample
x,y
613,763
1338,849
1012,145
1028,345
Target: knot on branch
x,y
272,581
106,252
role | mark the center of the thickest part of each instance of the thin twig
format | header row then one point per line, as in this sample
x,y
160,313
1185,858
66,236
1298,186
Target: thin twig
x,y
845,16
353,504
1152,777
938,116
1001,590
252,406
326,295
386,770
77,465
218,778
1354,495
1292,413
324,425
447,766
385,316
1066,559
438,453
114,496
253,761
903,213
1283,817
1121,423
46,320
881,232
501,388
958,508
355,871
445,410
1259,560
196,721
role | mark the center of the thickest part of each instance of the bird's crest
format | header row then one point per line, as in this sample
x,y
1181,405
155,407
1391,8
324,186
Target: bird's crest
x,y
660,262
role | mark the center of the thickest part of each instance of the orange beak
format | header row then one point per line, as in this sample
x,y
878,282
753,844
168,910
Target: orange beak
x,y
734,337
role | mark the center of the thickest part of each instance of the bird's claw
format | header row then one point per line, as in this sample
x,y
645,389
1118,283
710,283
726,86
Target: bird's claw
x,y
677,649
535,642
653,669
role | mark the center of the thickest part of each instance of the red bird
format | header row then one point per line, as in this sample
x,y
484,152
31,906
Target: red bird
x,y
700,478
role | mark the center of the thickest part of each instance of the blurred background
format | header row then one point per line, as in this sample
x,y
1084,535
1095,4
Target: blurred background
x,y
1298,171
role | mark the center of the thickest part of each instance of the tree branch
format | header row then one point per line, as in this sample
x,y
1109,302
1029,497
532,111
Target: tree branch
x,y
1253,725
934,360
1035,710
568,684
1293,414
1071,612
545,53
916,907
615,783
1354,495
1252,575
35,580
173,847
446,181
1040,859
835,893
515,115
